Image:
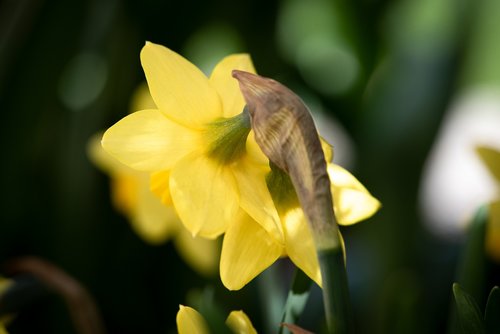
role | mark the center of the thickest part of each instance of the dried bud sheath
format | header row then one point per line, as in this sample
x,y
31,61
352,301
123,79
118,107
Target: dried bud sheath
x,y
285,131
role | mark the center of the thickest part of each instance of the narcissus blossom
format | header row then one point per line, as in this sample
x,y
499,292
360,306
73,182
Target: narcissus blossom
x,y
491,158
203,158
195,143
155,222
189,321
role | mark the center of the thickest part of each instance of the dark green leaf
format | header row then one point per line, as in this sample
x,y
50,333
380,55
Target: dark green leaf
x,y
492,313
469,315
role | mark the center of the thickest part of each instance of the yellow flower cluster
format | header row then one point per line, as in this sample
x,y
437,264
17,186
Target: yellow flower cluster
x,y
198,146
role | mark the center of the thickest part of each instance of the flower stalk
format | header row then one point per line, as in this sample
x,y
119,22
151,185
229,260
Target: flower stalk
x,y
285,131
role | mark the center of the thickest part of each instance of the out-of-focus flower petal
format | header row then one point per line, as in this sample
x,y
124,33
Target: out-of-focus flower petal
x,y
124,194
202,254
205,195
189,321
147,140
179,89
227,87
160,186
352,202
152,220
239,323
142,100
493,231
491,158
300,245
247,250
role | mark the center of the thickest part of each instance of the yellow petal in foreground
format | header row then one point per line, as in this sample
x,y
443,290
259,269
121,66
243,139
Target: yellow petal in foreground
x,y
205,195
189,321
352,202
247,250
493,231
202,254
179,88
255,198
228,88
147,140
300,245
239,323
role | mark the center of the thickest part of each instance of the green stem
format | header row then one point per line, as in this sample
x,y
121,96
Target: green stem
x,y
297,298
335,291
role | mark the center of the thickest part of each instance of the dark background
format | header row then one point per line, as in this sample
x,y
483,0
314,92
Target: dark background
x,y
69,68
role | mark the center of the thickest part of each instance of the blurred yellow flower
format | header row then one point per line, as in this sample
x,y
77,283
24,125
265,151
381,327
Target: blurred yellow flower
x,y
491,158
195,144
4,285
189,321
247,249
153,221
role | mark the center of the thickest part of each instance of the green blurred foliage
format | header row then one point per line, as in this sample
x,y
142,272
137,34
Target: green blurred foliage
x,y
386,70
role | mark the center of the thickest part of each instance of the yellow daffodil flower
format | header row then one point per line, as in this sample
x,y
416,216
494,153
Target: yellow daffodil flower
x,y
153,221
247,249
189,321
205,161
195,144
491,158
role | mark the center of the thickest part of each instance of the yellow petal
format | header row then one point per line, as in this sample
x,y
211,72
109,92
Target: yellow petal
x,y
228,87
239,323
300,245
491,158
153,221
247,250
255,198
352,202
189,321
160,186
179,89
201,254
254,153
147,140
327,150
493,231
205,195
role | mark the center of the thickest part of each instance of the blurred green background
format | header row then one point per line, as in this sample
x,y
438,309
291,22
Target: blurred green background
x,y
384,79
